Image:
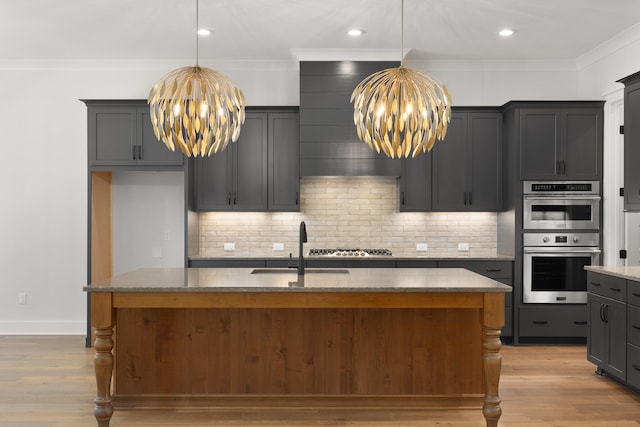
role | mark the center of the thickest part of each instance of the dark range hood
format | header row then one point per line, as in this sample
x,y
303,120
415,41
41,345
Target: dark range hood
x,y
329,144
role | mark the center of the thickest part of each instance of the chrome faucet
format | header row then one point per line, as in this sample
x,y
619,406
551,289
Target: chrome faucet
x,y
302,238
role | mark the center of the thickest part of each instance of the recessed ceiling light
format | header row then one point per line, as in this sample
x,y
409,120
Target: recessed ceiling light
x,y
204,32
506,32
355,32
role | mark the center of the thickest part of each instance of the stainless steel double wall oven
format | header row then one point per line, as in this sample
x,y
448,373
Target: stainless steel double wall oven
x,y
561,223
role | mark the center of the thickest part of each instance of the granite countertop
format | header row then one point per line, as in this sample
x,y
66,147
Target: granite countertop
x,y
430,257
284,280
625,272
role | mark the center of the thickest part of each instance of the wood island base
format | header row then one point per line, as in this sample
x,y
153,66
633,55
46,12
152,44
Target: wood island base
x,y
298,349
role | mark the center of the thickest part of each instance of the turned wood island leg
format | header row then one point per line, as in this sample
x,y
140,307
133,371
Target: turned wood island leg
x,y
492,322
103,363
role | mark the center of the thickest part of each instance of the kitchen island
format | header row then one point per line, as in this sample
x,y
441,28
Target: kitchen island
x,y
206,337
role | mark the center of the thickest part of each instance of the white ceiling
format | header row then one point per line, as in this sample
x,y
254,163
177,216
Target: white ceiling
x,y
280,29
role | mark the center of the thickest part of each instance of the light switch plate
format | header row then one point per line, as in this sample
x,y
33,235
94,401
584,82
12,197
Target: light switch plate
x,y
229,246
422,247
464,247
278,246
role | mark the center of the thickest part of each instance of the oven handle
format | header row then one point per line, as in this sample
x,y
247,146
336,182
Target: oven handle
x,y
560,197
562,250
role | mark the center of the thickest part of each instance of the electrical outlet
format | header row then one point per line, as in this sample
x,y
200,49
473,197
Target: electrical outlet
x,y
422,247
22,298
464,247
278,246
229,246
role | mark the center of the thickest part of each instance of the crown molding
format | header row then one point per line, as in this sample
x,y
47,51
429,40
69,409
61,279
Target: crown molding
x,y
620,41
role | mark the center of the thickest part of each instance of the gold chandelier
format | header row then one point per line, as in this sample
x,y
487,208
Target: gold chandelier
x,y
401,111
197,109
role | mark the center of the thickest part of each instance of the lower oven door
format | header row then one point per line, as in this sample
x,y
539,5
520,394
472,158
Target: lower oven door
x,y
556,275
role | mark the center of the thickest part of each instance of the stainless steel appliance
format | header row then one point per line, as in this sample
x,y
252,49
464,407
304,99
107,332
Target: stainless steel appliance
x,y
561,205
349,252
553,266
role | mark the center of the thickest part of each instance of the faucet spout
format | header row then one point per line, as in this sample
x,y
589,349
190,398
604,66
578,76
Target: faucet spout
x,y
302,238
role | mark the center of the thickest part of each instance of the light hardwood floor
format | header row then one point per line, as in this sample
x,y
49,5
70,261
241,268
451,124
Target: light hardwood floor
x,y
49,382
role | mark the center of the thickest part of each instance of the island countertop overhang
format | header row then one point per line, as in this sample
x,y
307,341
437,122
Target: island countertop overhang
x,y
241,280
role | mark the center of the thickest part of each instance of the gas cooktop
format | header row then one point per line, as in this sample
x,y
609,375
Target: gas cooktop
x,y
349,252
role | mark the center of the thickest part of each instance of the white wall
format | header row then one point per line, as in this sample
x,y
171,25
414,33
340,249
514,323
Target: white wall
x,y
43,180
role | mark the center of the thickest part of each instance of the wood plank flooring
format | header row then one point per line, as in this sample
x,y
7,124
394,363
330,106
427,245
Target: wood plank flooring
x,y
48,382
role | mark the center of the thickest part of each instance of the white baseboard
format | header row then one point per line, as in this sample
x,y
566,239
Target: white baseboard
x,y
43,327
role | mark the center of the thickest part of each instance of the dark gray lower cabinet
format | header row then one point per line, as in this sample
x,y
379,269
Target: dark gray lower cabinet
x,y
607,338
259,172
556,321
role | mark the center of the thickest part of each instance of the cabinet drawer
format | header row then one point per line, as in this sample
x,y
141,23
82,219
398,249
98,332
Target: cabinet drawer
x,y
492,269
607,286
633,366
565,321
633,292
633,325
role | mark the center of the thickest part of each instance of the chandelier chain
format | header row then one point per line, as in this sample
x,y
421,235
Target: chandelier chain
x,y
197,28
402,33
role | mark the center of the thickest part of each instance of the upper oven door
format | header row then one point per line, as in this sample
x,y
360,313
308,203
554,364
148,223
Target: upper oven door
x,y
561,213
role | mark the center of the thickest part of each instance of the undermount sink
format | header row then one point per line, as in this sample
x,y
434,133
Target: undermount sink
x,y
294,271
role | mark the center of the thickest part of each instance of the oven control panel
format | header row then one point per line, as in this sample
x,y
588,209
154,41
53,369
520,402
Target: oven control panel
x,y
561,239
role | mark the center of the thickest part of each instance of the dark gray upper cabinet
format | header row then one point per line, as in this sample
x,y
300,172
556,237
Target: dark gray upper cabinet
x,y
120,134
631,142
259,172
467,164
561,141
415,184
236,178
329,144
284,161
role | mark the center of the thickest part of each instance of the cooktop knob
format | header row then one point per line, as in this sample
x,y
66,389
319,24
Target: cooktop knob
x,y
545,239
576,239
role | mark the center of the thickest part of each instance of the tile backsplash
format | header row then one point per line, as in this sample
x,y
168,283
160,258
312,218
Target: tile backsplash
x,y
348,212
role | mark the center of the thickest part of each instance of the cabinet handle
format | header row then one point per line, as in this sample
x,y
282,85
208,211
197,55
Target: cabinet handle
x,y
492,270
595,284
470,200
297,198
134,149
579,322
635,327
605,313
465,197
635,295
615,289
402,198
229,197
602,312
540,322
235,201
558,167
636,367
140,152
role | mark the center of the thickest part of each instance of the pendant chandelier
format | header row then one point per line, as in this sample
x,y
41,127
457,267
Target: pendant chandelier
x,y
401,111
196,109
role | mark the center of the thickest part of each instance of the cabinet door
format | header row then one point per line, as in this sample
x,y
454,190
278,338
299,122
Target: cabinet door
x,y
250,164
539,144
596,332
150,151
631,147
415,184
485,170
582,146
616,318
112,136
284,162
450,166
213,177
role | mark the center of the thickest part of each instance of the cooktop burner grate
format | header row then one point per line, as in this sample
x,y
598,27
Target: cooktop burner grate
x,y
350,252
